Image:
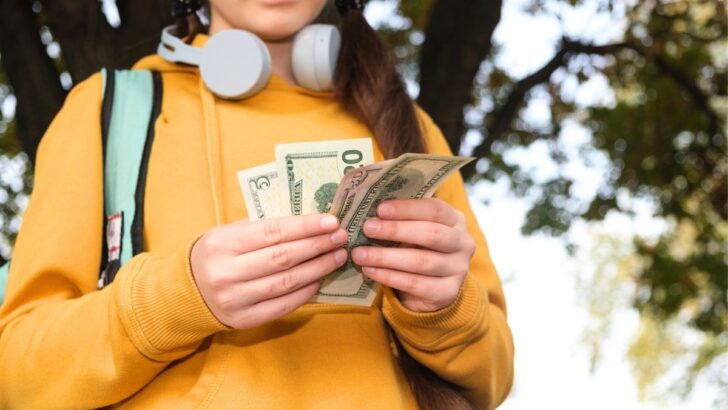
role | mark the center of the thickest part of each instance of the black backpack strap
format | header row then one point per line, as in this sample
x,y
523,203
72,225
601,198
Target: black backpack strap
x,y
137,228
107,105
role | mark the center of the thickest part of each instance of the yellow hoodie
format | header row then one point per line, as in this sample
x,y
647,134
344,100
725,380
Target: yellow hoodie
x,y
148,340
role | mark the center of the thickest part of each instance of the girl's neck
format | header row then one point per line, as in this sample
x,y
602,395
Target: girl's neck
x,y
280,55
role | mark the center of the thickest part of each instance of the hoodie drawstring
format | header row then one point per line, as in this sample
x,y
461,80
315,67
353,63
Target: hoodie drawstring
x,y
212,143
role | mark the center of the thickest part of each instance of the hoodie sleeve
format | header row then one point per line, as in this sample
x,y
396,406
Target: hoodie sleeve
x,y
62,341
468,343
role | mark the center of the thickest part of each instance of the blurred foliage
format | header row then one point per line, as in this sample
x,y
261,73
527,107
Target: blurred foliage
x,y
15,181
666,356
406,34
665,140
665,148
16,176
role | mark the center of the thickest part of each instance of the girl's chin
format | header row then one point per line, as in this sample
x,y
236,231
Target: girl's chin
x,y
276,30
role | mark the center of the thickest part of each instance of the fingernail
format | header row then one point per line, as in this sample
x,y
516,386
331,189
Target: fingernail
x,y
359,253
372,225
367,269
340,256
329,222
385,210
339,237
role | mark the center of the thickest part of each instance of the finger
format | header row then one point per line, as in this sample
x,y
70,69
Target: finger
x,y
278,284
277,258
425,209
419,286
430,235
248,236
421,261
272,309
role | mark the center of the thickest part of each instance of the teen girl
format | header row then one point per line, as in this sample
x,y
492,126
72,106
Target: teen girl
x,y
212,314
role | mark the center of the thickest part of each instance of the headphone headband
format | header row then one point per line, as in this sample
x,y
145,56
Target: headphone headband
x,y
173,49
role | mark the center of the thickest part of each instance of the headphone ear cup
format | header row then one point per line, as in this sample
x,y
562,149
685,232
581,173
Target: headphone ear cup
x,y
315,51
237,74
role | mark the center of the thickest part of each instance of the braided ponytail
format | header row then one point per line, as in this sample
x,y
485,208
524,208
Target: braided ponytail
x,y
368,86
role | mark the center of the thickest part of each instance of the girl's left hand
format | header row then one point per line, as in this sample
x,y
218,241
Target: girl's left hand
x,y
427,274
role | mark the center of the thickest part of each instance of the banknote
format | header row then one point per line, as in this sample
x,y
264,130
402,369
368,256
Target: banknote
x,y
357,198
262,192
312,171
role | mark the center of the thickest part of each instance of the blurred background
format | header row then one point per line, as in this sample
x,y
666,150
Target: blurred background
x,y
600,128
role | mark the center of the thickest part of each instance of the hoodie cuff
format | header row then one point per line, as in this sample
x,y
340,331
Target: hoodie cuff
x,y
433,330
161,308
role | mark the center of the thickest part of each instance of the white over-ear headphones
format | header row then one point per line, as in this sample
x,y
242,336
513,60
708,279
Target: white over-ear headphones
x,y
235,64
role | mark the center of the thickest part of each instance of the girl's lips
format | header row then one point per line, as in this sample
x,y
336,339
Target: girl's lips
x,y
277,2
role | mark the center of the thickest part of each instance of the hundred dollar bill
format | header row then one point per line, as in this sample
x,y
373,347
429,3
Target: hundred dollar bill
x,y
312,171
359,194
262,192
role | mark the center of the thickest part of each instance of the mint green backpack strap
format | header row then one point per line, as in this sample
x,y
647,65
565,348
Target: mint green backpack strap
x,y
124,148
128,125
128,119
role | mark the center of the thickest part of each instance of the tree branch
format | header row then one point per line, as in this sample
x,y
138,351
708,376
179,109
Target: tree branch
x,y
670,69
687,84
505,114
30,71
457,40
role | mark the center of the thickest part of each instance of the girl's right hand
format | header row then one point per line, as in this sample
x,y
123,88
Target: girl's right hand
x,y
250,273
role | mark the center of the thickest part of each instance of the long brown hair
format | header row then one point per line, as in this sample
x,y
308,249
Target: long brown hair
x,y
368,86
